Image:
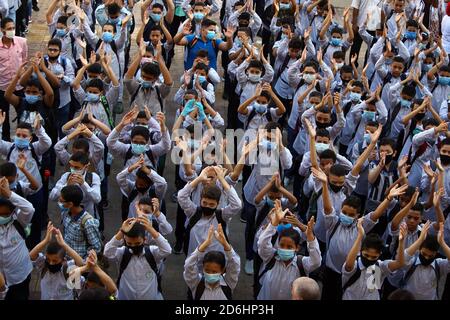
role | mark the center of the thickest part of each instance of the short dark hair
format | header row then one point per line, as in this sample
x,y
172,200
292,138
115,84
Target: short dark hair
x,y
336,30
212,192
295,43
321,132
81,144
401,294
388,142
328,154
399,59
338,170
215,257
25,125
113,8
5,21
158,5
290,233
72,193
208,22
409,90
62,20
412,23
140,131
8,169
372,241
444,142
142,175
151,68
352,201
338,54
430,122
430,243
346,69
94,68
80,157
95,83
54,248
146,200
98,294
418,207
136,231
55,42
6,203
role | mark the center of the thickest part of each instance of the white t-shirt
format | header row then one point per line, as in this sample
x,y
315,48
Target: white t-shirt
x,y
364,7
445,27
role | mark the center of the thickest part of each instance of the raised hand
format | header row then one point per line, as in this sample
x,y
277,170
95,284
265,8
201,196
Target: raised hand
x,y
403,232
310,230
397,191
359,225
437,197
127,225
319,174
219,234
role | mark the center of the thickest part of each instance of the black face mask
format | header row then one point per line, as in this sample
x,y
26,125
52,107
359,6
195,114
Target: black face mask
x,y
388,158
445,160
366,262
335,188
208,211
136,250
419,116
53,268
424,261
322,125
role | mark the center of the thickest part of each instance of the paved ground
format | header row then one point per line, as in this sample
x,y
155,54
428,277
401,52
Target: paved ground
x,y
173,283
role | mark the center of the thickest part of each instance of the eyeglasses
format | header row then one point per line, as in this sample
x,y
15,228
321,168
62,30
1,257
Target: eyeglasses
x,y
53,50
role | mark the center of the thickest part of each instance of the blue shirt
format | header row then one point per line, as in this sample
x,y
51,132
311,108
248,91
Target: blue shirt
x,y
201,45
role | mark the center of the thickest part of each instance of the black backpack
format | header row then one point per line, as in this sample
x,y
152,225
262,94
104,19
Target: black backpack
x,y
252,114
127,255
158,94
354,277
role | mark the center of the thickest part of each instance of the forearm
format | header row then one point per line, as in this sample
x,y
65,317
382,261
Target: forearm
x,y
374,174
34,184
351,257
105,280
74,255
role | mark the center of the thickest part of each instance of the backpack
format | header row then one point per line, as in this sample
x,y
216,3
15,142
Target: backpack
x,y
72,44
127,255
201,288
269,266
313,204
149,154
23,231
107,109
158,94
412,269
252,114
196,218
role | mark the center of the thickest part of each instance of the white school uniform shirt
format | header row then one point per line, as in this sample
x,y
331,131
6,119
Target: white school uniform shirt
x,y
40,147
254,24
138,281
364,7
15,262
54,285
249,88
91,194
343,239
193,274
199,231
439,93
423,283
127,186
359,290
276,283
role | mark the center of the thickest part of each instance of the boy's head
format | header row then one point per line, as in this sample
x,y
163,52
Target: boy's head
x,y
339,58
113,12
356,91
336,36
399,6
315,98
371,248
327,159
428,250
24,135
61,26
323,117
156,34
295,48
79,163
213,266
94,71
8,27
322,140
209,28
146,205
135,238
350,210
81,145
199,11
309,71
143,182
244,19
397,66
387,148
322,8
288,244
54,49
337,177
156,13
87,122
411,29
9,171
142,120
210,199
190,94
444,75
70,197
140,137
149,74
407,95
346,74
273,194
94,89
255,70
414,217
444,152
429,123
33,91
405,198
54,257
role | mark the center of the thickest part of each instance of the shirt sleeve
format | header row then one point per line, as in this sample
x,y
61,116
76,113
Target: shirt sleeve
x,y
192,275
185,202
233,268
162,249
313,261
265,248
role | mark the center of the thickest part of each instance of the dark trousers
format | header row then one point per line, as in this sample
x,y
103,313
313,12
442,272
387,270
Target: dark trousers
x,y
181,217
332,285
288,105
20,291
173,30
4,107
250,217
233,121
37,200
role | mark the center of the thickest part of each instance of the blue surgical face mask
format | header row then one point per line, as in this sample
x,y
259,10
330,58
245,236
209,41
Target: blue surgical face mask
x,y
138,148
405,103
155,16
367,138
62,208
260,108
198,16
285,254
92,97
369,115
32,99
336,41
107,36
445,81
282,227
201,79
285,6
212,278
210,35
146,84
270,202
345,219
60,32
355,97
114,21
21,143
410,35
320,147
268,145
5,220
427,66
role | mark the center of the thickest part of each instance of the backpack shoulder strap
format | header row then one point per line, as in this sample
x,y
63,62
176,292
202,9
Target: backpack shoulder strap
x,y
8,156
151,157
353,278
192,222
200,289
301,268
105,105
193,42
126,257
20,229
88,178
85,218
160,100
336,226
34,155
65,267
133,96
250,117
409,273
262,214
128,155
269,266
227,292
152,262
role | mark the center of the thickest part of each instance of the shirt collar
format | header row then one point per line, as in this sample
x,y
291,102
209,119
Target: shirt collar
x,y
3,45
78,216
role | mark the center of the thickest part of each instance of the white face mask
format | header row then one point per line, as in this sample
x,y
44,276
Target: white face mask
x,y
10,34
339,65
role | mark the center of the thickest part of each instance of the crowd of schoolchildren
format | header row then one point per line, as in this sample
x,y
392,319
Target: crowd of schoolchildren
x,y
353,103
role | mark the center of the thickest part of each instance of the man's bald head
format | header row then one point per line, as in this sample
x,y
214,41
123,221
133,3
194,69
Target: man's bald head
x,y
305,288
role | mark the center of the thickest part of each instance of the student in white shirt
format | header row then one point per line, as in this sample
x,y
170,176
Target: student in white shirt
x,y
139,276
425,273
15,263
359,282
220,270
9,170
150,207
282,265
53,269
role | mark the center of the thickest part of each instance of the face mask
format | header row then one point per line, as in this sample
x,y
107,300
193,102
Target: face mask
x,y
366,262
444,81
114,21
322,125
146,84
208,211
21,143
31,99
266,144
60,32
355,97
336,42
424,261
445,159
210,35
260,108
309,78
320,147
107,36
388,158
138,148
155,16
410,35
283,36
13,185
254,77
136,250
212,278
5,220
62,208
201,79
76,171
405,103
285,6
427,67
270,202
10,34
285,254
422,46
367,138
345,219
198,16
388,61
53,268
335,188
339,65
419,116
416,131
92,97
282,227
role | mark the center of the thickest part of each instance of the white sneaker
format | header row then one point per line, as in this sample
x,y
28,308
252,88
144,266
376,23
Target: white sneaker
x,y
249,267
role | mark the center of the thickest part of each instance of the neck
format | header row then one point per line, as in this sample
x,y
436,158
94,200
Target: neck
x,y
75,211
6,40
